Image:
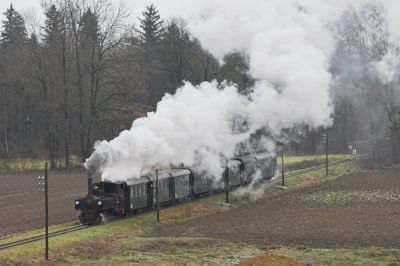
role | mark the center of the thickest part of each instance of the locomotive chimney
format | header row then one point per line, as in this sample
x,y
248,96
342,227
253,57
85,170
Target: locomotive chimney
x,y
90,184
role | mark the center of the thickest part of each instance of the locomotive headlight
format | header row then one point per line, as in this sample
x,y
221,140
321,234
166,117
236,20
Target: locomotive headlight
x,y
77,202
99,203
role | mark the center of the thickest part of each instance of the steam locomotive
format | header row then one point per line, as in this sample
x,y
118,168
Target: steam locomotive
x,y
106,199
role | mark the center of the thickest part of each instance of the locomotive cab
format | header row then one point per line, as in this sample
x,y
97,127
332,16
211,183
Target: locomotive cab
x,y
105,200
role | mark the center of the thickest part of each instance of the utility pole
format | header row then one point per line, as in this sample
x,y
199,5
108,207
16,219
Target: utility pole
x,y
157,199
325,139
283,171
227,185
43,187
46,206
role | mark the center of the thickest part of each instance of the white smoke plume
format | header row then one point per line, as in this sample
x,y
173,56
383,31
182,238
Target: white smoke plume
x,y
388,67
255,189
289,48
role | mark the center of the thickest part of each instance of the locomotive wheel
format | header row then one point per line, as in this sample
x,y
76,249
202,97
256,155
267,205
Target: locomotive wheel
x,y
97,219
105,217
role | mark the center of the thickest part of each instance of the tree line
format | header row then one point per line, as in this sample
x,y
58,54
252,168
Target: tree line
x,y
87,73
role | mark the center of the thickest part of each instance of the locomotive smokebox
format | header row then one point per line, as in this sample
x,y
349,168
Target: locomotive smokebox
x,y
90,184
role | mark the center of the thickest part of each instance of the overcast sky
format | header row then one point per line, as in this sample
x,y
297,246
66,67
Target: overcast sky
x,y
167,7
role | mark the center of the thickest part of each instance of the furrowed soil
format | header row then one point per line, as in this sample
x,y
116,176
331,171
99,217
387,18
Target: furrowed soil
x,y
22,205
355,210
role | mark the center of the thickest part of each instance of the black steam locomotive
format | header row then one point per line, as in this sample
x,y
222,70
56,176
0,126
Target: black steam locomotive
x,y
106,199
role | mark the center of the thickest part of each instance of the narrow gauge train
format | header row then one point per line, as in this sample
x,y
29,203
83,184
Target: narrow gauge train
x,y
106,199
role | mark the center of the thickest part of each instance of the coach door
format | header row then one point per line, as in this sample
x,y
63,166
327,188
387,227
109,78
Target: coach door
x,y
150,194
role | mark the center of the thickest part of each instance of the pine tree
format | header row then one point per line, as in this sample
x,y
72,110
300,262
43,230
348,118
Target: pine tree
x,y
14,30
54,26
90,28
151,26
149,53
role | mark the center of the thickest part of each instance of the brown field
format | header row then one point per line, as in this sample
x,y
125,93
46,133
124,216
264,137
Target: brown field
x,y
22,205
356,210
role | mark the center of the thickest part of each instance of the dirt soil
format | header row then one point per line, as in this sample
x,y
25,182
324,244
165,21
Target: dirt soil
x,y
270,260
22,205
289,220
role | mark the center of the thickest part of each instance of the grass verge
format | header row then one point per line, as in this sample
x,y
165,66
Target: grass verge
x,y
351,256
26,164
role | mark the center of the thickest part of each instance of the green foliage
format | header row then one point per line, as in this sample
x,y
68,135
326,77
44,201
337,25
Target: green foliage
x,y
151,26
54,26
13,29
90,28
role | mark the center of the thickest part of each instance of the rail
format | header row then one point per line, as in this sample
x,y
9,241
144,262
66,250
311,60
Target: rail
x,y
40,237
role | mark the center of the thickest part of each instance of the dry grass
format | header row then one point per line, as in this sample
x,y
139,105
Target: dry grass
x,y
26,164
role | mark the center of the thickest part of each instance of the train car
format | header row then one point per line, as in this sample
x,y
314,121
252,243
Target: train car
x,y
234,173
248,165
199,183
202,184
166,187
140,193
266,164
180,179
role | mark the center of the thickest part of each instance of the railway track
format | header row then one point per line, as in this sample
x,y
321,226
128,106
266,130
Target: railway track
x,y
315,168
39,237
80,227
318,167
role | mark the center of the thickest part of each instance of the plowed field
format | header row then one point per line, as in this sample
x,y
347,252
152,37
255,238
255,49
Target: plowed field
x,y
356,210
22,205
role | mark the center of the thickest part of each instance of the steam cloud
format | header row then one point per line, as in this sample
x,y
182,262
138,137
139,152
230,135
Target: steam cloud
x,y
289,48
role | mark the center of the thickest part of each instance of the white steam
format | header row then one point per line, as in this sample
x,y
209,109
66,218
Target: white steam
x,y
388,67
255,189
289,49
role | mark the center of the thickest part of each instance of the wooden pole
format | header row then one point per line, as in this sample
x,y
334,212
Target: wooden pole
x,y
283,171
326,153
227,185
46,205
157,199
